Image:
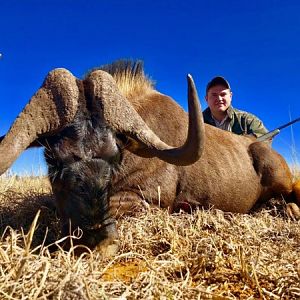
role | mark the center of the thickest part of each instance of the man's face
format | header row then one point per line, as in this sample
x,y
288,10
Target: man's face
x,y
218,99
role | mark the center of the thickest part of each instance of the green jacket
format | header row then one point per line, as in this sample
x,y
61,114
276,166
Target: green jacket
x,y
241,122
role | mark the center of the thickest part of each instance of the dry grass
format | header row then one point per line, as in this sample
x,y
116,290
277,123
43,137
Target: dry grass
x,y
206,255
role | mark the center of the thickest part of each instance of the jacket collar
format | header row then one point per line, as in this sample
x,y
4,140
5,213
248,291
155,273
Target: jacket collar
x,y
230,112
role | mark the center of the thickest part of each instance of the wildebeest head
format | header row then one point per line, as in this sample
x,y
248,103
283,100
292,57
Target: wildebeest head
x,y
81,160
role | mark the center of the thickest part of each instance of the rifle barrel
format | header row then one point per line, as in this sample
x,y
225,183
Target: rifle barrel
x,y
288,124
271,134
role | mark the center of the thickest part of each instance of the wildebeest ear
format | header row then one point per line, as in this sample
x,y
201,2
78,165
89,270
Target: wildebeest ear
x,y
130,144
135,147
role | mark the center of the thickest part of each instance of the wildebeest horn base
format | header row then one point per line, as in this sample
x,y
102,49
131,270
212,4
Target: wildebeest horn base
x,y
50,109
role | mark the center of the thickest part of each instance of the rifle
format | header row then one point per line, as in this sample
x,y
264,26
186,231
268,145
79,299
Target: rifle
x,y
274,132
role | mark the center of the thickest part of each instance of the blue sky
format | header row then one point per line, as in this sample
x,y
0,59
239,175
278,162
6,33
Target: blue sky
x,y
255,45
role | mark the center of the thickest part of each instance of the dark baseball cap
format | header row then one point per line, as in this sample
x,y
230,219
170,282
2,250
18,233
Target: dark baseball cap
x,y
218,80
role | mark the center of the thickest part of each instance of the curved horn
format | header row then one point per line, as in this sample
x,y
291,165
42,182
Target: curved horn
x,y
122,117
52,107
193,147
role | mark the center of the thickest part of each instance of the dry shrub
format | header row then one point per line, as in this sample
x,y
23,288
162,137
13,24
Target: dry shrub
x,y
204,255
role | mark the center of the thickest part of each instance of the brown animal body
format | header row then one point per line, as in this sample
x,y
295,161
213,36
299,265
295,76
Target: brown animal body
x,y
102,137
234,173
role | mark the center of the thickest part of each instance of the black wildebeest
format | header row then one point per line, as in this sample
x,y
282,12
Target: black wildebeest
x,y
107,140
